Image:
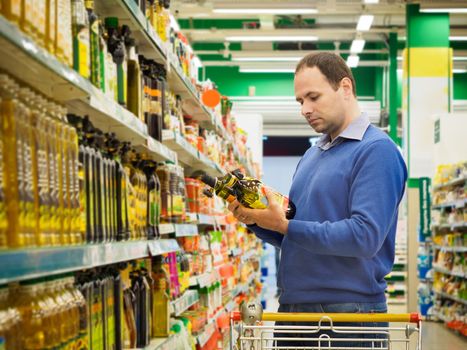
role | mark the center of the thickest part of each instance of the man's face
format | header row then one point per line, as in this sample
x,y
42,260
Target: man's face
x,y
322,106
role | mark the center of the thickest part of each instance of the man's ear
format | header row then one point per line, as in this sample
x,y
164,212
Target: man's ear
x,y
347,88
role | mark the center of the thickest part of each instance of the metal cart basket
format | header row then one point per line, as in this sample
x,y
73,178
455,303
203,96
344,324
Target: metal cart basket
x,y
250,330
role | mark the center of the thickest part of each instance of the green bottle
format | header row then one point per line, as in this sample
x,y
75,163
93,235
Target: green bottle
x,y
94,37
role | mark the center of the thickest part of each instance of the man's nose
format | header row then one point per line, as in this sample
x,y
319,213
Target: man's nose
x,y
307,108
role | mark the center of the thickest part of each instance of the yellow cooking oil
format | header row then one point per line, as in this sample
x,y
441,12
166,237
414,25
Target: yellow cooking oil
x,y
81,39
3,217
77,234
27,17
32,315
11,9
40,21
74,312
30,167
54,318
50,25
53,178
49,310
63,45
65,325
40,127
11,117
82,335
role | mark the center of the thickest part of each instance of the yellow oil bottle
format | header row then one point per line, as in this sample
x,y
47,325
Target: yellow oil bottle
x,y
81,39
77,228
12,117
27,17
50,26
161,303
27,303
3,217
10,322
12,9
54,318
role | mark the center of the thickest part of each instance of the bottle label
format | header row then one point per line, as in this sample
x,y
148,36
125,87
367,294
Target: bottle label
x,y
122,77
178,205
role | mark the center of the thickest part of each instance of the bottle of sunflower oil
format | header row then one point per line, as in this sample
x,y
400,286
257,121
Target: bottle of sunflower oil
x,y
81,40
41,171
63,28
77,229
3,217
27,20
50,25
53,316
27,302
13,115
12,9
29,167
39,7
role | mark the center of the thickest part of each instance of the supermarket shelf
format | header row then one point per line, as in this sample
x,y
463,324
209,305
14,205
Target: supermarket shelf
x,y
189,155
23,59
185,230
454,226
449,296
38,262
457,181
397,274
451,249
165,229
206,220
448,272
249,254
204,280
460,203
206,334
156,150
189,298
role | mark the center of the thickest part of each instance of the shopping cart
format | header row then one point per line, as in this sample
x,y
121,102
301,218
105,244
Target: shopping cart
x,y
250,330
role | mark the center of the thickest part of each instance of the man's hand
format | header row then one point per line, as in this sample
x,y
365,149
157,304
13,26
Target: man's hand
x,y
272,218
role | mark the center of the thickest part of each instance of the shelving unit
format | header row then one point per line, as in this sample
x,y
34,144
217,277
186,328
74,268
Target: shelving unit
x,y
18,265
448,231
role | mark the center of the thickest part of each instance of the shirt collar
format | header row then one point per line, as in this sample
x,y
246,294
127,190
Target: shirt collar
x,y
354,131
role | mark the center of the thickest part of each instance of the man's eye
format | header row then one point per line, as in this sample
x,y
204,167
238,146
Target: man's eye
x,y
314,98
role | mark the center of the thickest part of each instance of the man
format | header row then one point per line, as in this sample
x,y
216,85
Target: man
x,y
340,245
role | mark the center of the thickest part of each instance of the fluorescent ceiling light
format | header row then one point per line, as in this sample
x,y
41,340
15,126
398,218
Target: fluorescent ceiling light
x,y
459,70
444,10
270,11
272,38
364,22
266,70
399,58
352,61
357,45
458,38
370,1
459,58
174,23
266,59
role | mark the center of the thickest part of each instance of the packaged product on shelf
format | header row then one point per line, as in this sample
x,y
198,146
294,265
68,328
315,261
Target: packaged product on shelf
x,y
163,173
116,47
50,29
153,208
135,93
12,10
161,301
94,43
248,191
81,39
10,322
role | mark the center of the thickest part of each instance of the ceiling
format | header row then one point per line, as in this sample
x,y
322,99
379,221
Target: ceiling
x,y
333,23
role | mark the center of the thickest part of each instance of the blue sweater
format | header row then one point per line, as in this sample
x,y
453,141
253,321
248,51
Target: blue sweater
x,y
340,244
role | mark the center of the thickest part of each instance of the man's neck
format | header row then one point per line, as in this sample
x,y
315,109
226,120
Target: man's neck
x,y
351,114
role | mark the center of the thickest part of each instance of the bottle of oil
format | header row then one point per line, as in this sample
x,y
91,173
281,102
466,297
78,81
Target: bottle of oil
x,y
116,47
27,303
52,316
123,193
12,10
132,183
81,40
134,81
76,226
50,26
12,115
94,37
163,173
161,302
3,217
248,191
152,208
157,106
177,199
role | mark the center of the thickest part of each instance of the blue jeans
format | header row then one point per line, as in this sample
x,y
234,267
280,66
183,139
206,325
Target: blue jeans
x,y
333,308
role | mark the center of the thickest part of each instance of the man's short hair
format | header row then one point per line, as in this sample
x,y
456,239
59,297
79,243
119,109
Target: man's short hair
x,y
332,66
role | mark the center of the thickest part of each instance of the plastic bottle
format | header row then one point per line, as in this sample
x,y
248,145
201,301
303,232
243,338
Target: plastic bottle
x,y
27,303
12,114
3,216
82,335
94,38
134,80
50,25
51,311
248,191
123,182
63,28
97,322
116,47
163,173
12,10
161,303
153,202
177,199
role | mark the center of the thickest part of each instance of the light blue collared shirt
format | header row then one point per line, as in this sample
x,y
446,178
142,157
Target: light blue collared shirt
x,y
354,131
